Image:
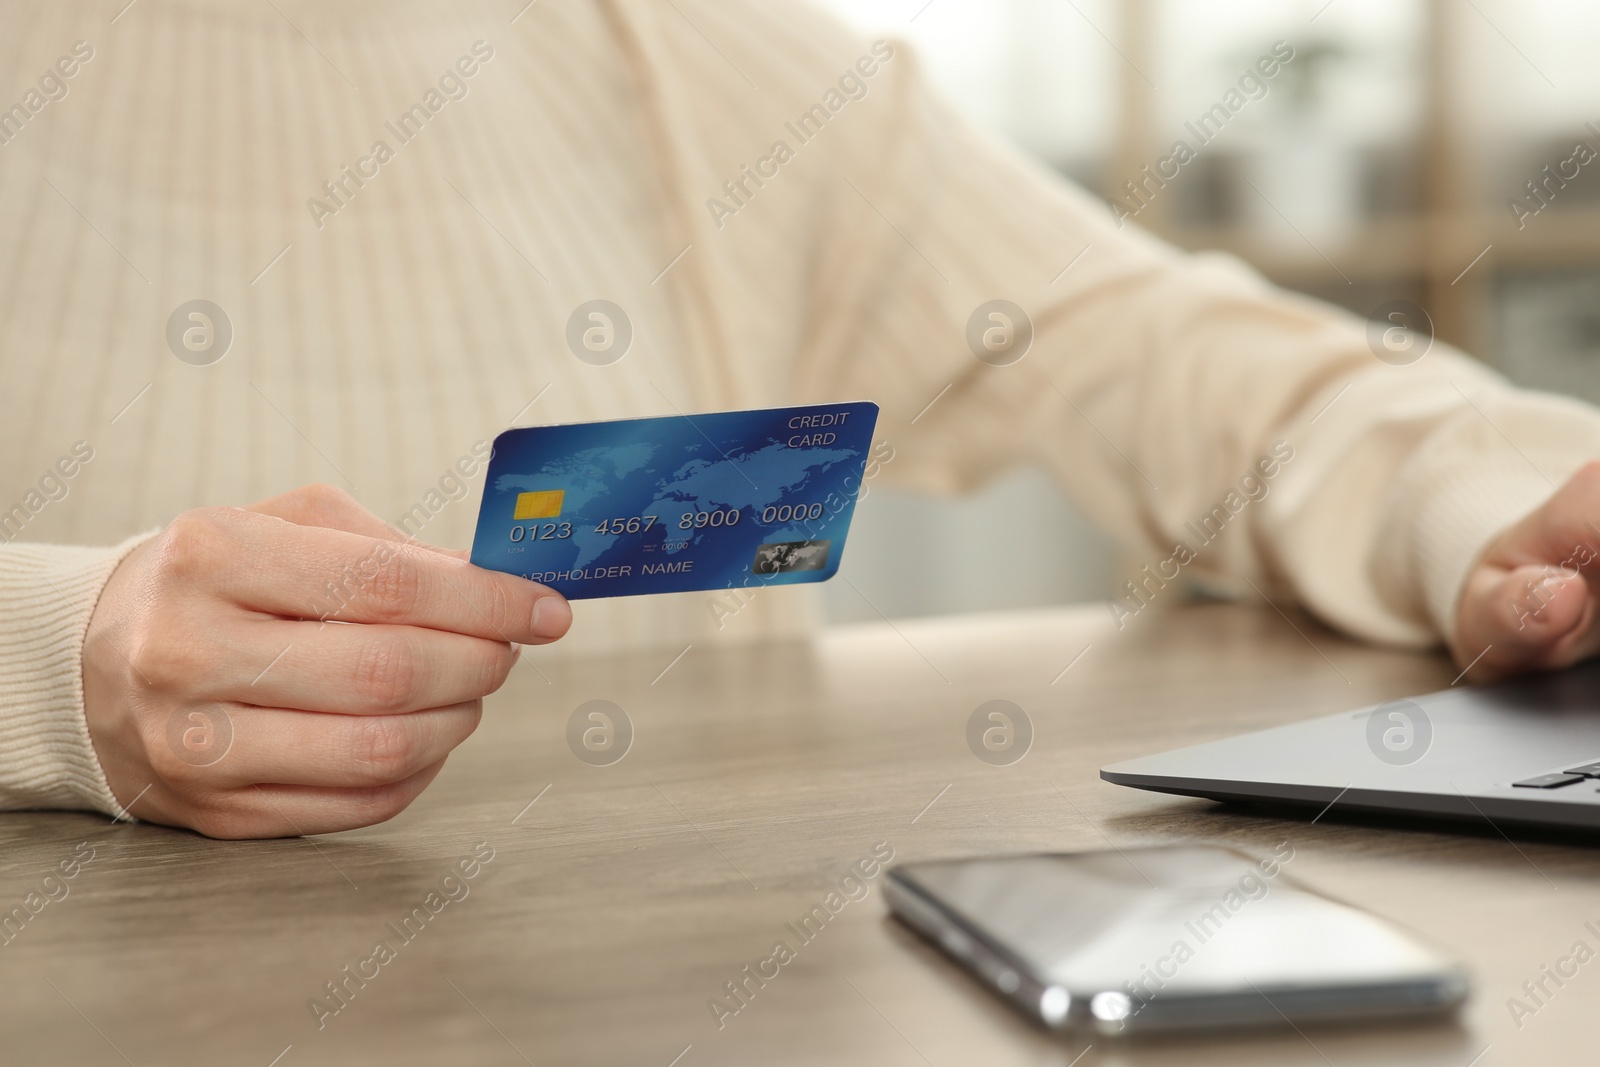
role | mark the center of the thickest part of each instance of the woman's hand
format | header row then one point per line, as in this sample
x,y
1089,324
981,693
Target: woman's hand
x,y
295,667
1532,602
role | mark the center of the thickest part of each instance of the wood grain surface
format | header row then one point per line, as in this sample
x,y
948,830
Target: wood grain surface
x,y
619,899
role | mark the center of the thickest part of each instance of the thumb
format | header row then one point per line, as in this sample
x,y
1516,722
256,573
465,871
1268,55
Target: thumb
x,y
1530,617
332,508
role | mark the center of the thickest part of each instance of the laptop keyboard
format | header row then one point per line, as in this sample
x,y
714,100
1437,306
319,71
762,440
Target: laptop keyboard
x,y
1549,781
1570,776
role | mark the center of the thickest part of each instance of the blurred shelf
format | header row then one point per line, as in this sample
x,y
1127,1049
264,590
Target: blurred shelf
x,y
1400,249
1559,237
1438,239
1379,251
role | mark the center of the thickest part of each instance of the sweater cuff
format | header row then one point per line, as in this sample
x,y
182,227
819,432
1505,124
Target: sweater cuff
x,y
47,595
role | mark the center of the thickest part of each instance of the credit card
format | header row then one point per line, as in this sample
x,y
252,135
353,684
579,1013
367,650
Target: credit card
x,y
731,499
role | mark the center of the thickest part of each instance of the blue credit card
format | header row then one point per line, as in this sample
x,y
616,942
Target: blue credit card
x,y
664,505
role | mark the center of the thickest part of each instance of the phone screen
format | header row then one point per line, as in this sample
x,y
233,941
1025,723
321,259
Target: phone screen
x,y
1168,937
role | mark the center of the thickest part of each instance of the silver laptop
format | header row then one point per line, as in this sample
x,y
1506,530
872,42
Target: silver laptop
x,y
1525,752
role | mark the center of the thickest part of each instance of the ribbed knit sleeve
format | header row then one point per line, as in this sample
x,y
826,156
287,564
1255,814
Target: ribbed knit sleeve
x,y
1217,425
47,594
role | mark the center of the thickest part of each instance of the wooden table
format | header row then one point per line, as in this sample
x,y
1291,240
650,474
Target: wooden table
x,y
621,898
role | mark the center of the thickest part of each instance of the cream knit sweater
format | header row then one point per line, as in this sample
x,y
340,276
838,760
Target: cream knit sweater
x,y
397,205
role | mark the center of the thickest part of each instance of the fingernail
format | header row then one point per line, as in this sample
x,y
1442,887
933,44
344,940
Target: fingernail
x,y
552,617
516,649
1550,584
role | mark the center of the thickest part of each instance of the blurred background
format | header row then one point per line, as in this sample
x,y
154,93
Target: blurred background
x,y
1390,150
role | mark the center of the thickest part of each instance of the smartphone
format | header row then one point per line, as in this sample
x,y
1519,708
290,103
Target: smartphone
x,y
1168,938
